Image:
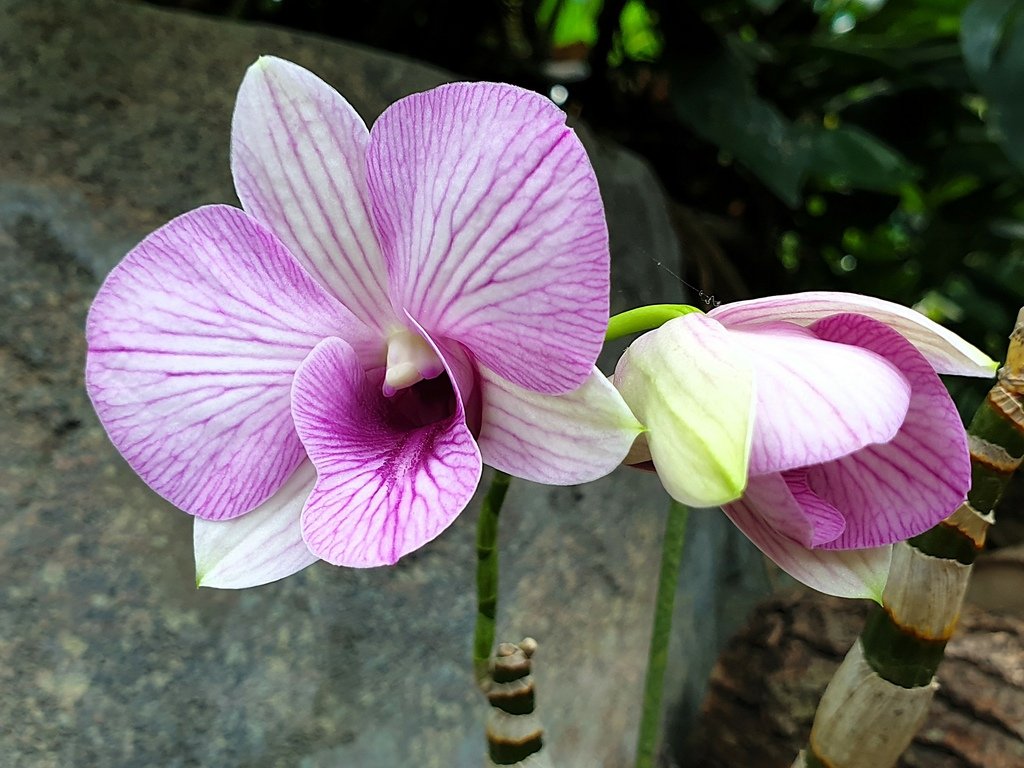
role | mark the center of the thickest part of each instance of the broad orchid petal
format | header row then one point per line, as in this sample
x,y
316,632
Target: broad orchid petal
x,y
193,341
900,489
492,226
384,486
843,573
259,547
555,439
944,350
298,156
693,390
817,401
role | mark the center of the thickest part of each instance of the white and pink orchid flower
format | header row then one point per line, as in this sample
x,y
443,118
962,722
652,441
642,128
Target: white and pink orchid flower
x,y
817,422
396,304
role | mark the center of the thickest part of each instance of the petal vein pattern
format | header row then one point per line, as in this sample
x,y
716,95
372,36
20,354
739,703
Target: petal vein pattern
x,y
493,229
817,400
901,488
555,439
259,547
193,340
298,157
843,573
384,487
944,350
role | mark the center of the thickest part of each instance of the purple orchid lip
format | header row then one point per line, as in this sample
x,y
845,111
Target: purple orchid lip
x,y
372,276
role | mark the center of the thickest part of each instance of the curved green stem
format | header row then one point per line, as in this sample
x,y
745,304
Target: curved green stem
x,y
657,659
487,575
644,319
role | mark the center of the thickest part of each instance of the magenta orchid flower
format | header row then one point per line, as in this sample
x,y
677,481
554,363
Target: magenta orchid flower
x,y
322,373
816,420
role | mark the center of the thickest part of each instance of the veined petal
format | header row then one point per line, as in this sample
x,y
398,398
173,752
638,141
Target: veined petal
x,y
493,230
298,156
817,400
694,392
944,350
788,506
259,547
555,439
384,487
193,341
900,489
843,573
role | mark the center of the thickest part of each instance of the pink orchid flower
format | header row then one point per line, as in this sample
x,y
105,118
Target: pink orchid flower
x,y
816,420
396,304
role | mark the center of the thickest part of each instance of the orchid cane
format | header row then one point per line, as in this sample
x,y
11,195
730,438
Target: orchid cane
x,y
321,374
880,695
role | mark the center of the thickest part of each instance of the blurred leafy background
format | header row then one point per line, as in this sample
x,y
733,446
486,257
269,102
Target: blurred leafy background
x,y
874,146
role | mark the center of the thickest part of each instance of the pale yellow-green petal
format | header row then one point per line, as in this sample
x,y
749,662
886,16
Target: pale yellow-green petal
x,y
694,392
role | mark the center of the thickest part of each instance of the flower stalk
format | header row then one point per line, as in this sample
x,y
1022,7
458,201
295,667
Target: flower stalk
x,y
657,659
879,697
487,576
645,318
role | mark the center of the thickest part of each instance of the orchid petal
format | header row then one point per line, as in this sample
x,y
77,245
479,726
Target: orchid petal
x,y
897,490
259,547
555,439
384,486
298,157
694,391
788,506
816,400
493,230
843,573
193,341
944,350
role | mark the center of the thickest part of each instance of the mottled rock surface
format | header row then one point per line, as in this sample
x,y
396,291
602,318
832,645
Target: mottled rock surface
x,y
114,118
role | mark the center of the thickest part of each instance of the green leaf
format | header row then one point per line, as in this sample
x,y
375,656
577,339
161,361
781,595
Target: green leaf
x,y
850,157
992,42
721,106
981,30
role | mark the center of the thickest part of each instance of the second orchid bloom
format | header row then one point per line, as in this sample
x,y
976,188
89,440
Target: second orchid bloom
x,y
817,422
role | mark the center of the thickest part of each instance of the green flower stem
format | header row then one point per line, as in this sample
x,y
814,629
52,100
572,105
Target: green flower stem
x,y
671,559
898,652
487,576
645,319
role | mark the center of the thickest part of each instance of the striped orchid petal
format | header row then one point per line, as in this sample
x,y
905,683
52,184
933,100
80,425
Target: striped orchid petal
x,y
694,392
555,439
263,546
493,230
816,400
193,340
947,352
843,573
787,505
899,489
298,157
384,297
392,474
